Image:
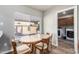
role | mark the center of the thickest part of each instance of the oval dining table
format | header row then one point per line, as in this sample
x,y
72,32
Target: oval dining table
x,y
33,39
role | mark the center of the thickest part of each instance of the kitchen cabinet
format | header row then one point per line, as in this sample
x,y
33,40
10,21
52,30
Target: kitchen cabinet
x,y
35,18
69,21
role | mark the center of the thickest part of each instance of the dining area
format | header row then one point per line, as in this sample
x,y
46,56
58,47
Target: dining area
x,y
28,38
32,44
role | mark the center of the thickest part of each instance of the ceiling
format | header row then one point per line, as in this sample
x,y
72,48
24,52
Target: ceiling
x,y
41,7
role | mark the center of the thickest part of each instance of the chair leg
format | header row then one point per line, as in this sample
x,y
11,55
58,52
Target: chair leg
x,y
41,52
35,50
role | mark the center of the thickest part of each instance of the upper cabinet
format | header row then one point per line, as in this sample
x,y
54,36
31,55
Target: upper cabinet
x,y
26,17
66,18
35,18
22,16
69,21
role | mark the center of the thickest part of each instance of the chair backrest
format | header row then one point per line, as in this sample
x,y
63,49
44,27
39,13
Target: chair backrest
x,y
50,41
45,41
49,34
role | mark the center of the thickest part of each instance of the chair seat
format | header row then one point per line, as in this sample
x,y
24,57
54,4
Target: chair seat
x,y
40,45
23,49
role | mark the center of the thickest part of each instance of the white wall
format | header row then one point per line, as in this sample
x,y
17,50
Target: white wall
x,y
7,14
50,22
78,23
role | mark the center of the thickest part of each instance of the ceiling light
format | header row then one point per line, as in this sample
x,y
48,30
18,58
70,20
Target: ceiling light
x,y
64,12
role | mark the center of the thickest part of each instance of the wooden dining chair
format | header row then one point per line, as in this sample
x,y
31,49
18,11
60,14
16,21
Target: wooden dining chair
x,y
50,41
43,46
21,49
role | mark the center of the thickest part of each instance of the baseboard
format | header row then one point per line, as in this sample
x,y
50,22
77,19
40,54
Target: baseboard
x,y
55,45
6,52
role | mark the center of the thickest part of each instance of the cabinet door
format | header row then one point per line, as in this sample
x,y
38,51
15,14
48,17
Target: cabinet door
x,y
66,21
69,21
35,18
61,22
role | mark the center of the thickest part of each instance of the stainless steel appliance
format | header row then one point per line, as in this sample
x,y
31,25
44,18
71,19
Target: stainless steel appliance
x,y
70,34
59,33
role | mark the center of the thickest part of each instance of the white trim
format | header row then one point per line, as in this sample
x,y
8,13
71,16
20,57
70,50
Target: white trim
x,y
66,9
57,30
65,16
75,25
75,30
6,51
54,44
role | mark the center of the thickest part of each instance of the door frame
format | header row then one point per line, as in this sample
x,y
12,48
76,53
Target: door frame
x,y
75,26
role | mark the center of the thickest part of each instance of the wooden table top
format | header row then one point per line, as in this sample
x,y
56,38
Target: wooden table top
x,y
32,38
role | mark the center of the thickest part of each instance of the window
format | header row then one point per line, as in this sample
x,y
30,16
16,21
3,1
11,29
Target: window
x,y
25,28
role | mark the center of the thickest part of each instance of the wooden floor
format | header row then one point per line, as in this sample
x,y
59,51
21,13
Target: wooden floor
x,y
65,47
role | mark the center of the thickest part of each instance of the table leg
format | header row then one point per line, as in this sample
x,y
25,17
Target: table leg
x,y
33,49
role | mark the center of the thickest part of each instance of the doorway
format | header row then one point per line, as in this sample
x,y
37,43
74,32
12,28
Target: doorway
x,y
66,41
